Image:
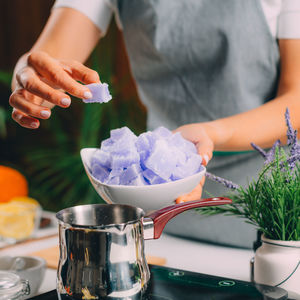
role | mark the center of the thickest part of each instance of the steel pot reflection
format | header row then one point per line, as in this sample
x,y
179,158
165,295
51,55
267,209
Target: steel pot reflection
x,y
102,248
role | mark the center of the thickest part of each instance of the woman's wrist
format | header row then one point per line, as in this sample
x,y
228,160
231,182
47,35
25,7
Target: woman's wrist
x,y
219,134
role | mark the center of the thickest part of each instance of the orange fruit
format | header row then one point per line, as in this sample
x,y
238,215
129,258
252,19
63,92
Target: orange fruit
x,y
12,184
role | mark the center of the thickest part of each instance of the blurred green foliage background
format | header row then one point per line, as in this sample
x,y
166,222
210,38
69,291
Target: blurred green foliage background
x,y
49,157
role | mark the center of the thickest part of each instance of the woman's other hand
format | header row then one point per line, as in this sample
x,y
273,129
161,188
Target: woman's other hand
x,y
200,136
53,66
40,82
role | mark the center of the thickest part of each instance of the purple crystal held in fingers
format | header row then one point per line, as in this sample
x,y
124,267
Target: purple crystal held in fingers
x,y
100,93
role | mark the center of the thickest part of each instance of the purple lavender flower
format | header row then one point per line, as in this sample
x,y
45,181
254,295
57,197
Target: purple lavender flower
x,y
295,148
291,133
259,150
293,159
270,156
229,184
292,141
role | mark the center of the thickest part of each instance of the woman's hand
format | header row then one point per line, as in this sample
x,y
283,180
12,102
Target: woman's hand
x,y
39,81
200,136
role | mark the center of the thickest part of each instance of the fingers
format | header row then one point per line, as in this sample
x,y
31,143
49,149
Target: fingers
x,y
28,79
195,194
197,134
38,84
24,120
51,69
80,72
23,102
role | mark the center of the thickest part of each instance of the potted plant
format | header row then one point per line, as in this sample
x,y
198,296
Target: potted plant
x,y
272,204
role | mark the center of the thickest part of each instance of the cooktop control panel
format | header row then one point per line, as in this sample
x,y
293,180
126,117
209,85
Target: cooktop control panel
x,y
174,284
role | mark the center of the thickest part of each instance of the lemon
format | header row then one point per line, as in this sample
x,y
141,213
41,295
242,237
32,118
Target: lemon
x,y
25,200
18,217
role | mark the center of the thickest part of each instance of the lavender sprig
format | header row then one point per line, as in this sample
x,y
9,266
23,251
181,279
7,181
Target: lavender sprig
x,y
292,160
259,150
295,149
227,183
292,141
271,153
291,133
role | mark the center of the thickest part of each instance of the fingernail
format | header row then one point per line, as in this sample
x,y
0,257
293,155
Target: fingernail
x,y
34,125
65,101
206,158
87,95
18,117
45,113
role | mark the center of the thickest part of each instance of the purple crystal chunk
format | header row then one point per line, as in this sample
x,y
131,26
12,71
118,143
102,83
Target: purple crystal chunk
x,y
160,161
120,133
113,181
123,141
106,145
139,180
99,172
153,178
145,141
124,160
130,174
158,180
100,93
184,145
191,167
102,158
162,132
149,175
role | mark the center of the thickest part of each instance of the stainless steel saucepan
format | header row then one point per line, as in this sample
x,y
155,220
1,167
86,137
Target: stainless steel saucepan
x,y
102,248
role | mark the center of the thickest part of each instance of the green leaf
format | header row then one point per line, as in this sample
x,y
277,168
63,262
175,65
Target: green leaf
x,y
5,78
2,123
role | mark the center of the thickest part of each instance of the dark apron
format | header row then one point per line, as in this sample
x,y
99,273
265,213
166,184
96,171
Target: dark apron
x,y
197,61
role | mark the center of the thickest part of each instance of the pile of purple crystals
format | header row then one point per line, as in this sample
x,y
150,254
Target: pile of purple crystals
x,y
154,157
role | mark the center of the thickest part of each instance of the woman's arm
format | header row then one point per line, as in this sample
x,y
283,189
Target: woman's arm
x,y
53,63
262,125
68,34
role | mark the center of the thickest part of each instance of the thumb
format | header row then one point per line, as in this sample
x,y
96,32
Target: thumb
x,y
195,194
205,149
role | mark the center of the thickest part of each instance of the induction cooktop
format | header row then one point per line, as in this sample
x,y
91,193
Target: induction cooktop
x,y
174,284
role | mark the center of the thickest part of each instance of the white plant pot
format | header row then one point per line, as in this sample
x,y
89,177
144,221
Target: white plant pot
x,y
277,263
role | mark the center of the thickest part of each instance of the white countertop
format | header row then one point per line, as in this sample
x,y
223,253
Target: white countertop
x,y
180,253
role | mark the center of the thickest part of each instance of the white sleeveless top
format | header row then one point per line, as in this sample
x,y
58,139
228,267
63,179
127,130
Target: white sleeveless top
x,y
282,16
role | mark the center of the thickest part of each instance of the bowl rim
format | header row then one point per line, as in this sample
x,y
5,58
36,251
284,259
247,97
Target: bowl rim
x,y
41,262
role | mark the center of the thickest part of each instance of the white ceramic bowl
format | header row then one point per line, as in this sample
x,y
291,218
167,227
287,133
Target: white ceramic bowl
x,y
32,269
149,197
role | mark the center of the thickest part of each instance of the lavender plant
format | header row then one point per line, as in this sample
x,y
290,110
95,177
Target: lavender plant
x,y
272,202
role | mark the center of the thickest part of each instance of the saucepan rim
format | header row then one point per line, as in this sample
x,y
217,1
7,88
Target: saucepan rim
x,y
62,213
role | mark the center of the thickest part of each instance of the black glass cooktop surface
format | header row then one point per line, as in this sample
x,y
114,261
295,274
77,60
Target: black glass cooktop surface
x,y
174,284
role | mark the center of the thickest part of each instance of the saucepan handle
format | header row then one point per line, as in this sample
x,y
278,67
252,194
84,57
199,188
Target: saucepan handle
x,y
161,217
